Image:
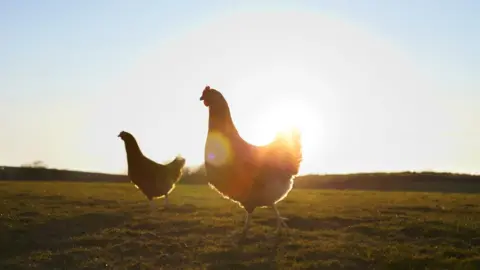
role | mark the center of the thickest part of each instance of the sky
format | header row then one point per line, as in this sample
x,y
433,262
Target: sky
x,y
374,85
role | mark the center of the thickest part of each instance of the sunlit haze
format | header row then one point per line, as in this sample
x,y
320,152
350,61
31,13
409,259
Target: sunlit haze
x,y
372,85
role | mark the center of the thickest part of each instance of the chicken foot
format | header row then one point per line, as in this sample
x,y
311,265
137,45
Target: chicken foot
x,y
153,205
239,236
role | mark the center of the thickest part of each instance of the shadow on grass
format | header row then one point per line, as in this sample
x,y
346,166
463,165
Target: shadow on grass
x,y
277,253
437,229
54,234
144,206
182,208
241,257
316,224
58,201
405,210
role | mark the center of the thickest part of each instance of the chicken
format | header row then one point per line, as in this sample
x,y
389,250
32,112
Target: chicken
x,y
252,176
153,179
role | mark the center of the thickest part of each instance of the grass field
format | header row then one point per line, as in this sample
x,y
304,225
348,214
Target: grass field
x,y
58,225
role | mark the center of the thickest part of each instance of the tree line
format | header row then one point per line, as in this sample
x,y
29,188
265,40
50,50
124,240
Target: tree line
x,y
398,181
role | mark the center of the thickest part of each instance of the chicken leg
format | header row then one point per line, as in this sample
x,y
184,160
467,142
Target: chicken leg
x,y
166,201
239,237
280,219
246,226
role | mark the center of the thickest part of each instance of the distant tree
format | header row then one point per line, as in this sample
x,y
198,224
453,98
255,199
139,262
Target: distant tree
x,y
195,169
35,164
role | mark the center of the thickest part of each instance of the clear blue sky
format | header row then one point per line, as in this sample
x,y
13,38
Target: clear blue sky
x,y
75,73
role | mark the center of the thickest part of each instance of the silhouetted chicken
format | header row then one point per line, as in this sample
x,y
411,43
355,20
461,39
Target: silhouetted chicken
x,y
253,176
153,179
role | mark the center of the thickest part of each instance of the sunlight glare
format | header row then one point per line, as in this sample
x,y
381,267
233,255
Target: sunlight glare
x,y
280,117
278,103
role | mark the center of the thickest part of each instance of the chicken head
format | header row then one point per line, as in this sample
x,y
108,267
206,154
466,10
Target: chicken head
x,y
211,96
124,135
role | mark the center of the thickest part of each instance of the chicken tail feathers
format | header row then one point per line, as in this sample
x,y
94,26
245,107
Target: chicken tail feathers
x,y
288,147
175,168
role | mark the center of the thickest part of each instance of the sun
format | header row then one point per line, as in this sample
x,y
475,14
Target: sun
x,y
278,97
283,116
277,106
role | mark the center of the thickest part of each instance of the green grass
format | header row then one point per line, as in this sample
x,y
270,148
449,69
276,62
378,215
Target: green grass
x,y
58,225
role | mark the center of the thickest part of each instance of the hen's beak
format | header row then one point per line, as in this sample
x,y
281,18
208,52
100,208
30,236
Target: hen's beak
x,y
201,98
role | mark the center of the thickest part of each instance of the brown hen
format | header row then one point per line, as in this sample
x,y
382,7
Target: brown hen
x,y
153,179
253,176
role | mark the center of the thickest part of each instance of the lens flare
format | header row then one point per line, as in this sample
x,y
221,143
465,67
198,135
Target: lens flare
x,y
218,149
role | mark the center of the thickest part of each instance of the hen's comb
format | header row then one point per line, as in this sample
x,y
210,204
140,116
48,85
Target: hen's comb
x,y
207,87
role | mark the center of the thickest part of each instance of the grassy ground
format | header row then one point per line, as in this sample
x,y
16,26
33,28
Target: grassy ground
x,y
110,226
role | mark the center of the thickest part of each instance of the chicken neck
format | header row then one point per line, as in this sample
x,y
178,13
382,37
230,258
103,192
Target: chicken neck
x,y
220,120
133,151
